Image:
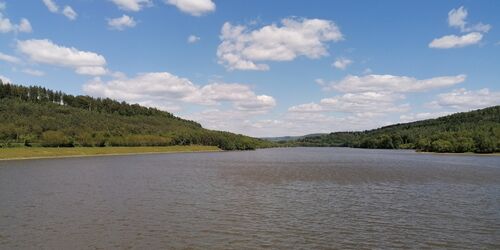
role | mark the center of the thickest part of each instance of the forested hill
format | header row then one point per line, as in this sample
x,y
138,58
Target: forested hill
x,y
475,131
35,116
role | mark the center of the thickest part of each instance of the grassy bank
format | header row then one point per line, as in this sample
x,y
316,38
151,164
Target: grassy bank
x,y
41,152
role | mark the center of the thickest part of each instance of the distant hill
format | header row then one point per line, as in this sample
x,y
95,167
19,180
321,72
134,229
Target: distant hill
x,y
475,131
35,116
288,138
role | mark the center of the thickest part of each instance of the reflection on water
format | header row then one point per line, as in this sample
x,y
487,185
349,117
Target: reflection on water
x,y
313,198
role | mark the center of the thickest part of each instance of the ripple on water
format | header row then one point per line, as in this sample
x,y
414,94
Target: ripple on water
x,y
312,198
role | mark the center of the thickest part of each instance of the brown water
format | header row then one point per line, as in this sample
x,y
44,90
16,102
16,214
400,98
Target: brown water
x,y
299,198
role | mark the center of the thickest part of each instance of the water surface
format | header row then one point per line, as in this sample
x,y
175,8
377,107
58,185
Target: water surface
x,y
301,198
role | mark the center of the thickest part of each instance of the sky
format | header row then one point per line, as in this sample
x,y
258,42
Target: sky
x,y
262,68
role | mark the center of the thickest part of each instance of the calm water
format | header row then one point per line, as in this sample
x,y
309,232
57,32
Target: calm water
x,y
301,198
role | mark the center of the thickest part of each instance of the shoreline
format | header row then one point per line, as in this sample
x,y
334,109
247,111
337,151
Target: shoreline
x,y
401,149
458,154
61,153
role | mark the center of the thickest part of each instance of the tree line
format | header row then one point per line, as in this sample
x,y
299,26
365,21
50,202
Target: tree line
x,y
475,131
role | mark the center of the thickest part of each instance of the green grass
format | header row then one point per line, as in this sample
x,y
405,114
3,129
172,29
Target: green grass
x,y
41,152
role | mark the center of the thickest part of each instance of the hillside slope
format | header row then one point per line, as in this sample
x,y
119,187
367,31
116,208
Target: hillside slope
x,y
35,116
475,131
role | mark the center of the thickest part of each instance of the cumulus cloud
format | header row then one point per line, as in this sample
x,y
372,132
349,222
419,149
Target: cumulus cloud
x,y
453,41
193,7
457,19
45,51
463,99
193,39
342,63
162,89
245,49
391,83
7,26
67,11
121,23
9,58
369,99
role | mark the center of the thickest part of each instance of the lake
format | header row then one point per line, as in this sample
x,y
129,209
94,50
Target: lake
x,y
284,198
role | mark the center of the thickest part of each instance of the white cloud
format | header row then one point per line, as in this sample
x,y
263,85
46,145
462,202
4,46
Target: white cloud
x,y
91,70
457,19
7,26
5,79
391,83
453,41
240,95
374,103
69,13
193,39
463,99
51,5
193,7
132,5
9,58
121,23
163,89
153,86
25,26
421,116
45,51
365,102
33,72
320,81
245,49
307,108
212,118
291,123
342,63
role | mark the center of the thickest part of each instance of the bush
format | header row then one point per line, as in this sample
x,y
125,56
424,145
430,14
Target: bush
x,y
464,144
441,146
55,139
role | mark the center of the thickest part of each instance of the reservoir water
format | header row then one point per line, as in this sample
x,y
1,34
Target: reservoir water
x,y
289,198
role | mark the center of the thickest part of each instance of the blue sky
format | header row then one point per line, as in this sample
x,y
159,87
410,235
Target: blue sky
x,y
263,68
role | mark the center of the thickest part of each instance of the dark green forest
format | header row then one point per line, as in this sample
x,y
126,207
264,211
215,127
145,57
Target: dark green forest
x,y
475,131
36,116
